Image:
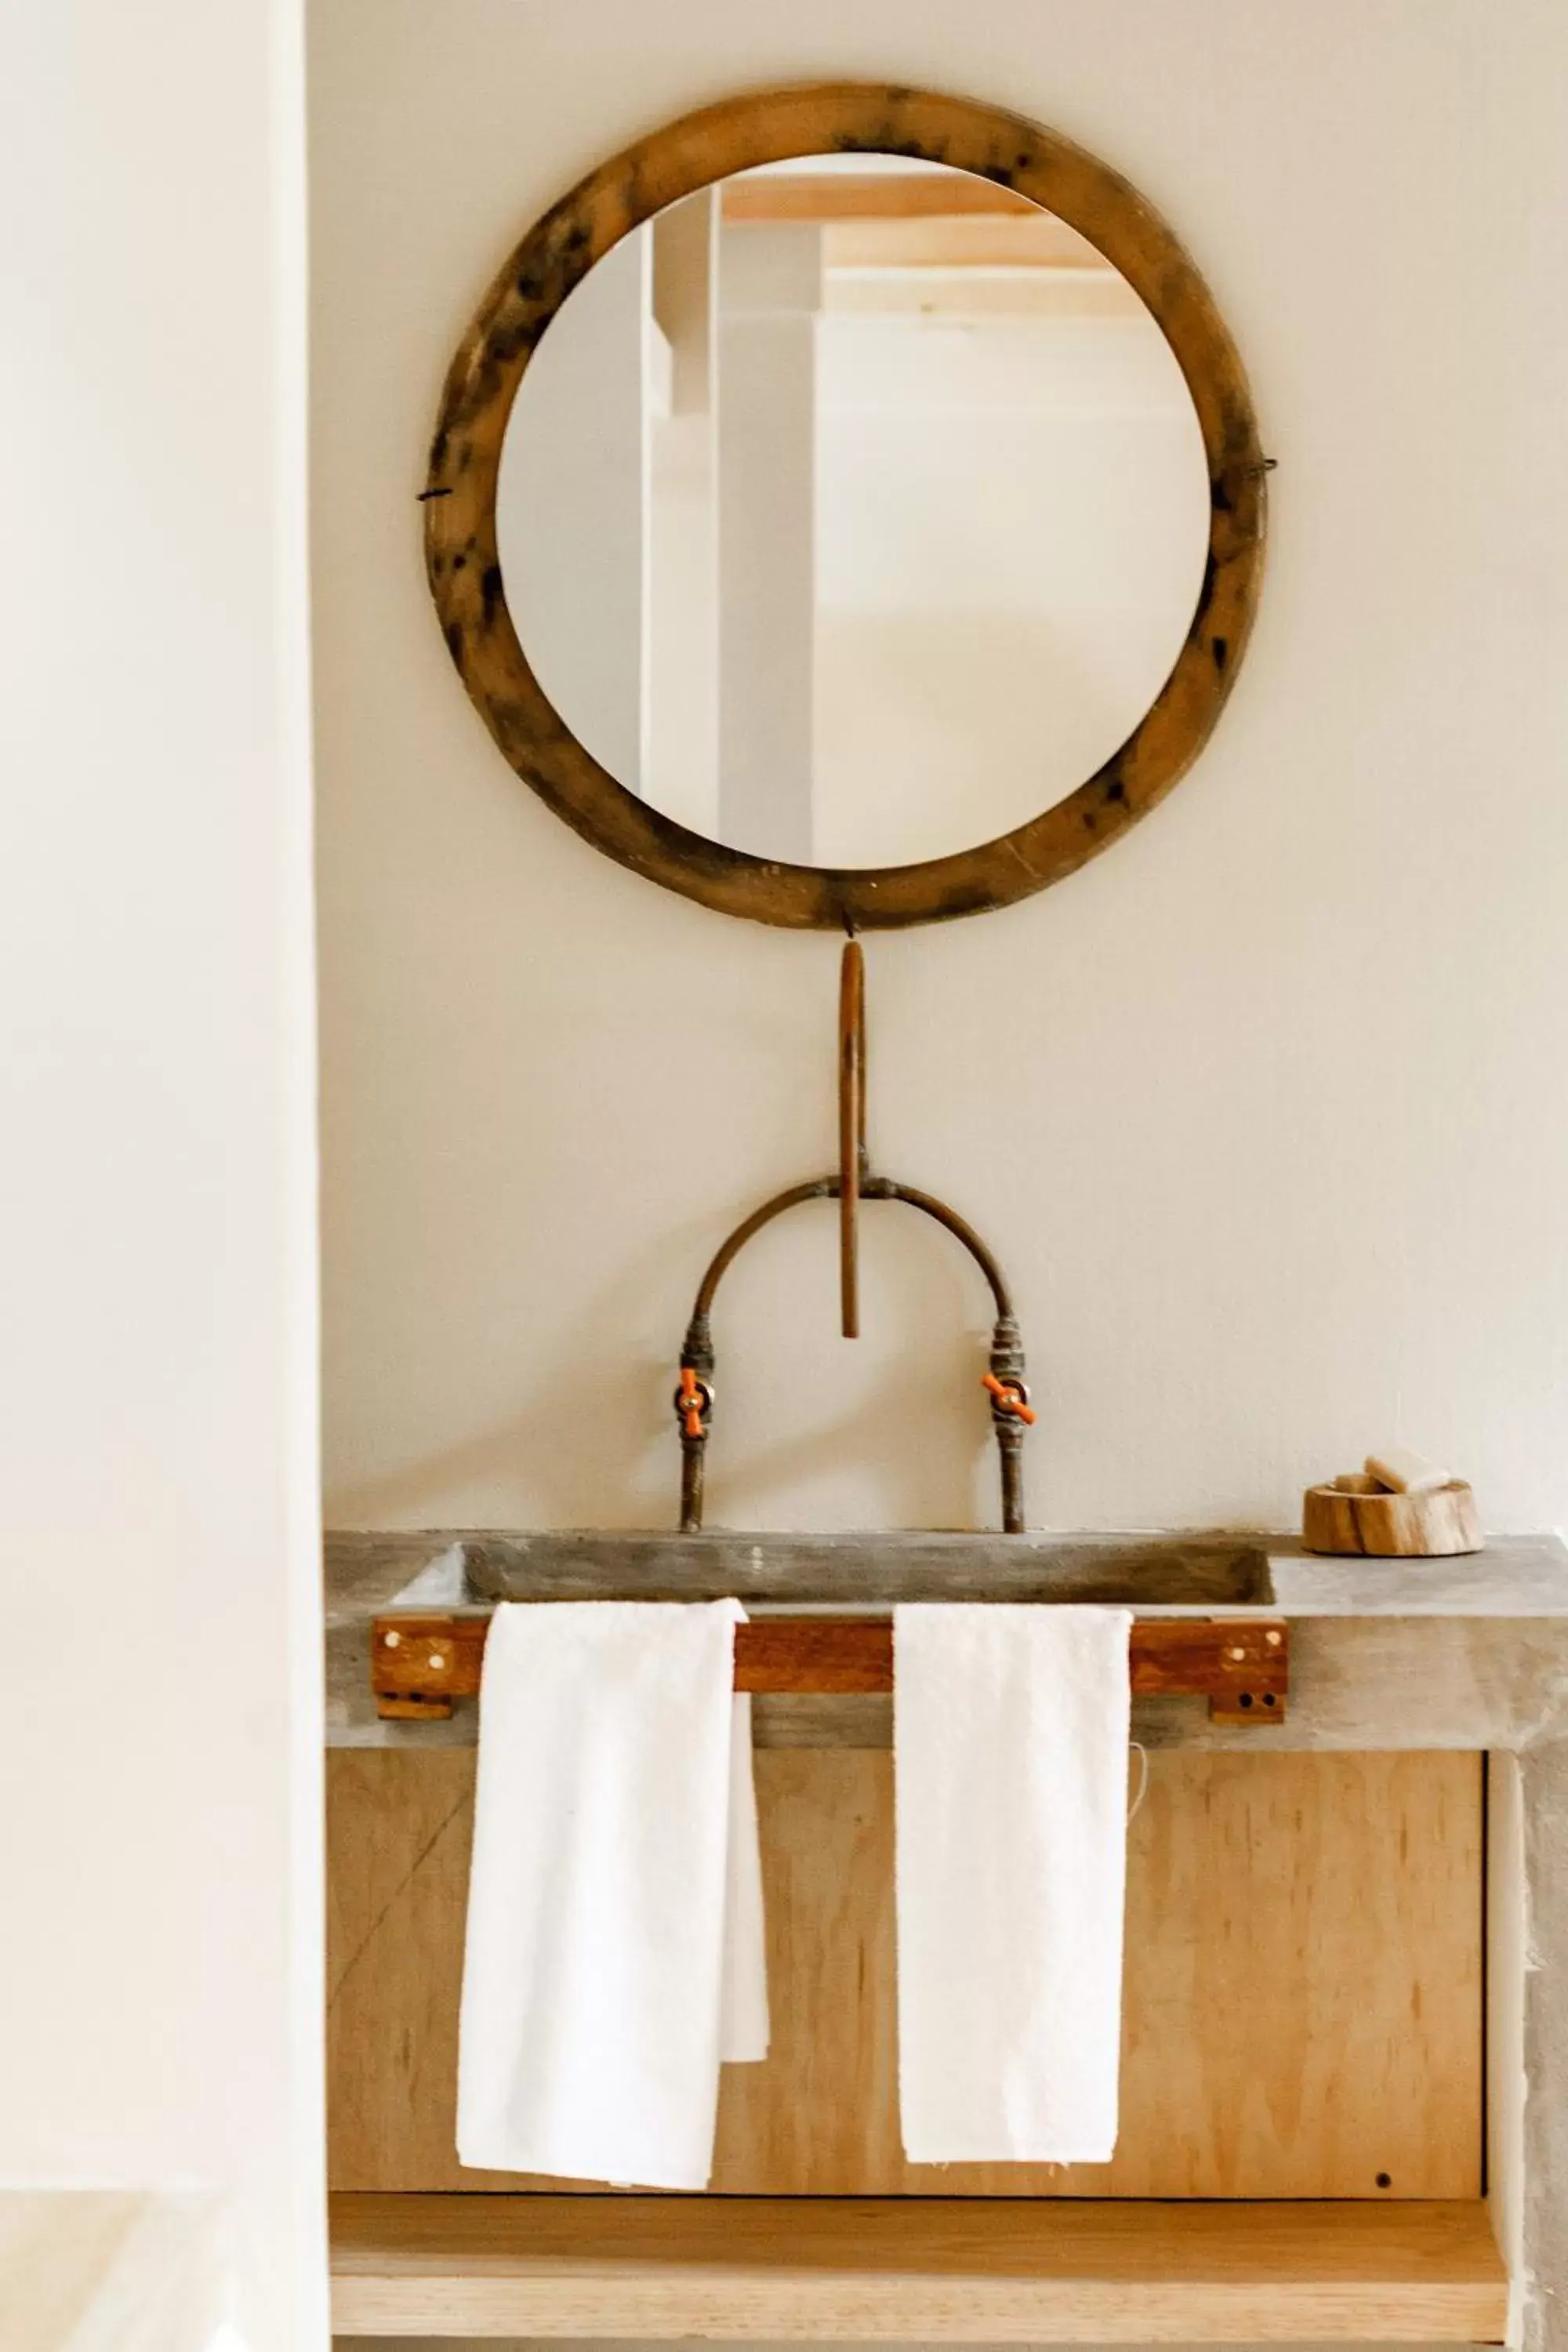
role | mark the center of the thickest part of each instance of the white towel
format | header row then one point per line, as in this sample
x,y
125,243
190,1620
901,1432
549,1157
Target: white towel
x,y
1010,1756
615,1902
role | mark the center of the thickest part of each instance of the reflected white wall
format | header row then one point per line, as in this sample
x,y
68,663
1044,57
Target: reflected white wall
x,y
1012,520
770,297
572,508
682,771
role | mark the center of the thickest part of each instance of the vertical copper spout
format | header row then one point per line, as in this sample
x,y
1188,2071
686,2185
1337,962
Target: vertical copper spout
x,y
851,1129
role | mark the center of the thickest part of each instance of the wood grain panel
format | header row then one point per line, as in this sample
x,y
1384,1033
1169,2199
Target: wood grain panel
x,y
939,2270
420,1660
1303,1983
824,196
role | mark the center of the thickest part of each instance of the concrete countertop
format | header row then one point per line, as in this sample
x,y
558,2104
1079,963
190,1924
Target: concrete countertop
x,y
1454,1664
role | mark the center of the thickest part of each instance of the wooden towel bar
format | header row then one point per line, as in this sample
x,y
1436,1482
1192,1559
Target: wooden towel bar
x,y
420,1663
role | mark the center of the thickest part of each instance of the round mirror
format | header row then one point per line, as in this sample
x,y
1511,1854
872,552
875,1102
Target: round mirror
x,y
857,526
853,511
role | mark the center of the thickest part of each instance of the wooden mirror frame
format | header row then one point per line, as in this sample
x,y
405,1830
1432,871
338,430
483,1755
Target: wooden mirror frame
x,y
463,560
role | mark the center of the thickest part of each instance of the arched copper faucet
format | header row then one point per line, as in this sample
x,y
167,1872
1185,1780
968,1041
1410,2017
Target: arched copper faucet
x,y
1011,1410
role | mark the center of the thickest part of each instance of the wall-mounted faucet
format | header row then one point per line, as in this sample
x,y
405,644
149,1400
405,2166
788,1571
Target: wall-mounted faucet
x,y
1011,1410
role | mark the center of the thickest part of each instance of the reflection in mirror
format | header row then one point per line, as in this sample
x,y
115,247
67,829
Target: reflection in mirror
x,y
853,511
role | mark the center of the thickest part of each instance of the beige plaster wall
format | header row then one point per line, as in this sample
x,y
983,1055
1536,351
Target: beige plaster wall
x,y
1267,1110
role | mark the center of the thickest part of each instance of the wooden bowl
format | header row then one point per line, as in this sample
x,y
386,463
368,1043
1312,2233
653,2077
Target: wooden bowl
x,y
1431,1525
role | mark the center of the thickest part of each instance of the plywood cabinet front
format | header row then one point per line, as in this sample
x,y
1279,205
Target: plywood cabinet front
x,y
1303,1982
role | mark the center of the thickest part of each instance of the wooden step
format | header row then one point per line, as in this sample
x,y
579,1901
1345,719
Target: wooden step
x,y
937,2270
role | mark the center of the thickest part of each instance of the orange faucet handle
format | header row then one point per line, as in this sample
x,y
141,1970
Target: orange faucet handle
x,y
1010,1397
693,1400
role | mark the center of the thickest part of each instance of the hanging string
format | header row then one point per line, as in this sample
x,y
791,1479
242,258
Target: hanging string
x,y
1142,1755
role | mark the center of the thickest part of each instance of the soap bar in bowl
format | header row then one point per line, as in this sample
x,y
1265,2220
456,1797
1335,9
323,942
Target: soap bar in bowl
x,y
1434,1523
1405,1472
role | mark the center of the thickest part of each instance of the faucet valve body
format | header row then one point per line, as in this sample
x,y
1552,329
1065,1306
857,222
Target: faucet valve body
x,y
693,1404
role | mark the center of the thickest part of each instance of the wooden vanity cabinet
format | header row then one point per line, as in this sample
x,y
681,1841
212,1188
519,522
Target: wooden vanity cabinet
x,y
1304,1983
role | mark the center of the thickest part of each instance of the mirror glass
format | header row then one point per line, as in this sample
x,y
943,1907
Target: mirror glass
x,y
853,511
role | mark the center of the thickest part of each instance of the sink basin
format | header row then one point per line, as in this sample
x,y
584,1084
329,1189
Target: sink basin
x,y
869,1571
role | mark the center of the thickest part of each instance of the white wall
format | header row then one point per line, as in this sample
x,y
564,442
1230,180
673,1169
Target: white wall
x,y
160,1841
1265,1109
